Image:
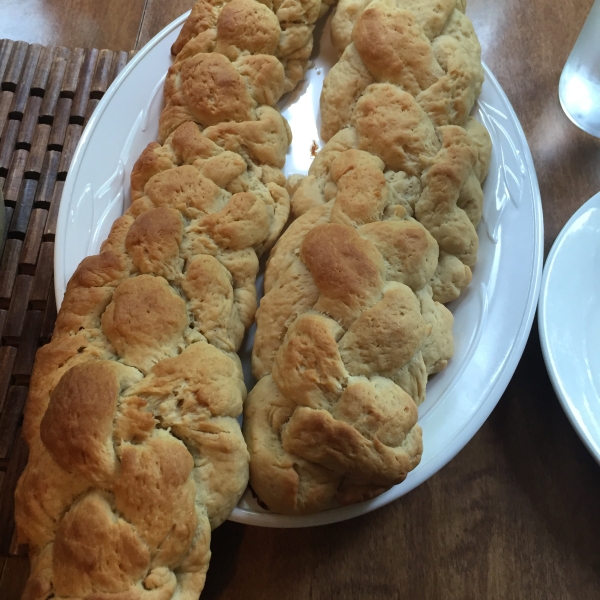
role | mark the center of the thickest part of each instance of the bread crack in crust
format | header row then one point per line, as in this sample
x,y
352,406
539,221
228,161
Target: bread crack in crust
x,y
135,448
352,322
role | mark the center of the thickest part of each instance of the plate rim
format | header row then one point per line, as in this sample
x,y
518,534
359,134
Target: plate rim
x,y
544,329
274,520
59,236
494,394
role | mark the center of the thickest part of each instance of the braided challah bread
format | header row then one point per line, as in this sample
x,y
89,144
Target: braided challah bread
x,y
410,68
347,333
131,419
352,321
428,48
135,448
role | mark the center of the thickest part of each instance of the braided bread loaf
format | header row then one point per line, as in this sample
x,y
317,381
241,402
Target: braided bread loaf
x,y
131,419
135,448
347,333
409,68
352,321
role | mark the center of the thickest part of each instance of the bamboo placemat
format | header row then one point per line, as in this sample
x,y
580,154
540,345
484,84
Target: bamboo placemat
x,y
47,95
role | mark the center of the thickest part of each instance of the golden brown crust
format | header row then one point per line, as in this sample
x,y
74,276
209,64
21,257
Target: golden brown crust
x,y
438,207
431,174
391,125
293,293
112,502
238,27
426,47
409,251
351,324
233,58
247,27
346,269
145,321
77,426
263,141
153,242
203,17
285,482
395,48
205,88
85,534
346,335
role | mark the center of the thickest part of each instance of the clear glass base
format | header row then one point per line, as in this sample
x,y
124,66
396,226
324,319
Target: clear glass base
x,y
580,99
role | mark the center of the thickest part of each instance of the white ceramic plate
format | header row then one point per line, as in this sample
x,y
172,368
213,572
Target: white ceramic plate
x,y
569,321
492,319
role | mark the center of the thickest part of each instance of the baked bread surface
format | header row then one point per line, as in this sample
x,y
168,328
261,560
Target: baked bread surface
x,y
426,47
352,323
347,333
135,448
283,29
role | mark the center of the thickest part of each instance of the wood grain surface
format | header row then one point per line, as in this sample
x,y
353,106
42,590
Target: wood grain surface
x,y
112,24
157,14
514,515
526,44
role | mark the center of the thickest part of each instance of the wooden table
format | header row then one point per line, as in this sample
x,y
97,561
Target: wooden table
x,y
515,514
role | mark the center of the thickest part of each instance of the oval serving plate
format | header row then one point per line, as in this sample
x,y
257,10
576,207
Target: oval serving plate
x,y
569,321
492,318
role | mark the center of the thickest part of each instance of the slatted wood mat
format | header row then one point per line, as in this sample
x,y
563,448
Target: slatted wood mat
x,y
47,96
